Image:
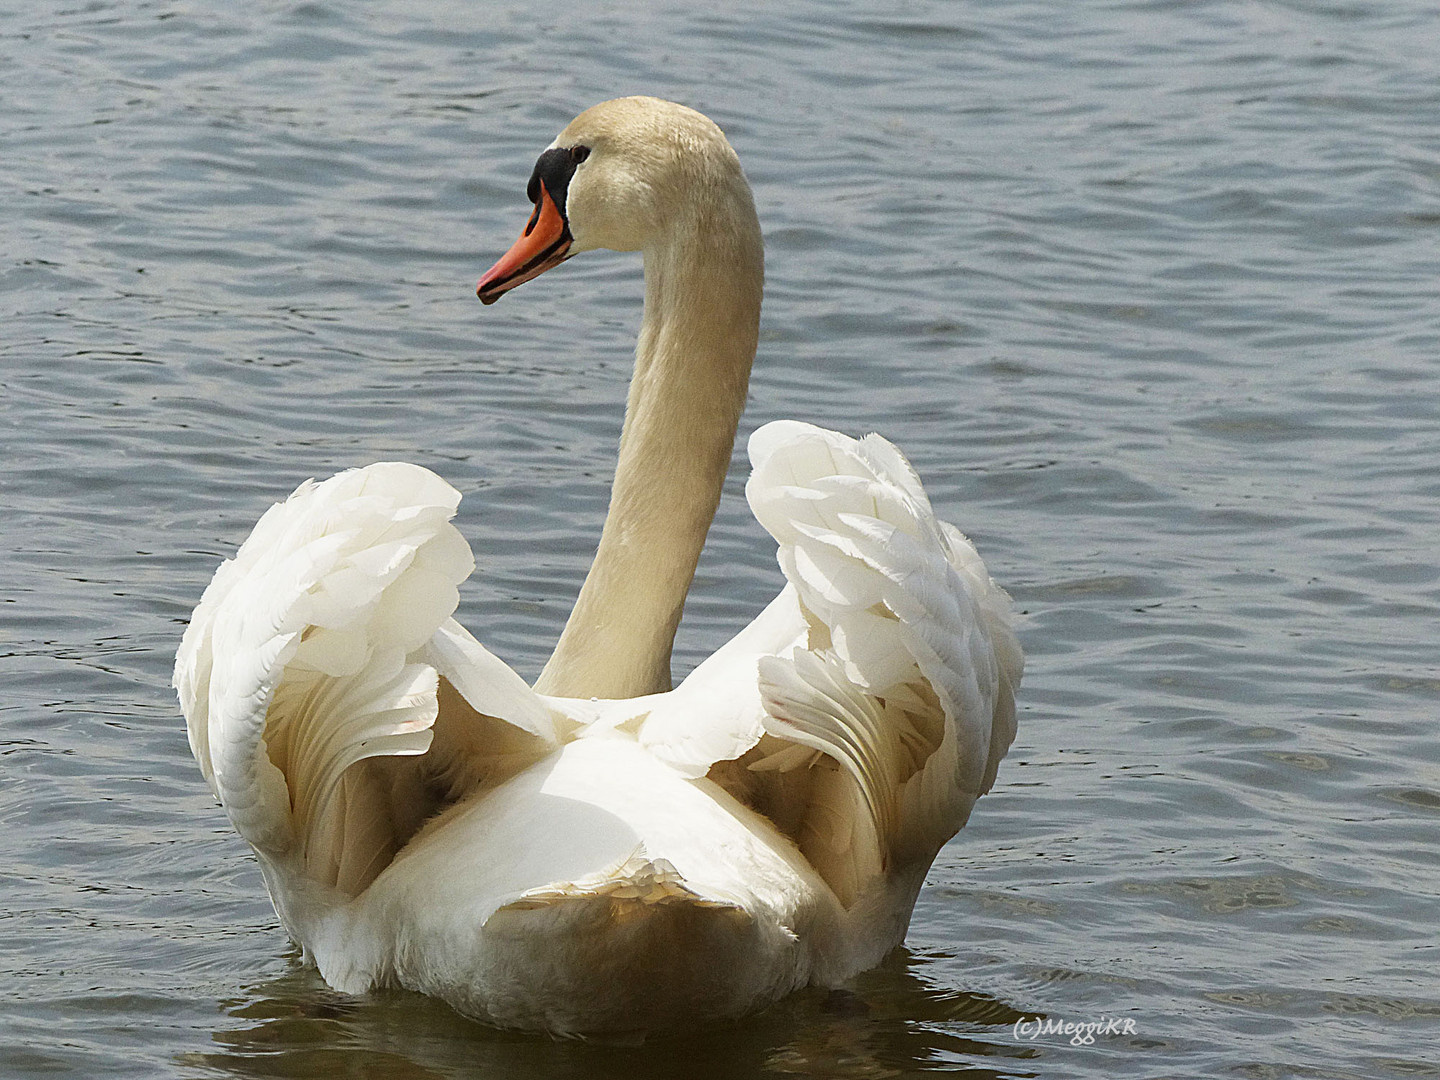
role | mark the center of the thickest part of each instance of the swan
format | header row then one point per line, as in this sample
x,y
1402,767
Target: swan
x,y
601,853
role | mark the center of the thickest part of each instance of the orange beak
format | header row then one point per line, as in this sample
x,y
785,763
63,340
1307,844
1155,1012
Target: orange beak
x,y
544,243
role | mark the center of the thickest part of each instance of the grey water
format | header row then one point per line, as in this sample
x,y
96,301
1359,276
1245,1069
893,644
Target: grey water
x,y
1149,292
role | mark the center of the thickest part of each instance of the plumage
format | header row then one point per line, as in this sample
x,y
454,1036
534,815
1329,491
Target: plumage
x,y
601,852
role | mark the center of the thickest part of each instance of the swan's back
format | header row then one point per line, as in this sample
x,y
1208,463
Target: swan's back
x,y
424,819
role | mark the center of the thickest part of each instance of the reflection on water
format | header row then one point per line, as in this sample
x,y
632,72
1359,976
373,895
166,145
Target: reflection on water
x,y
889,1024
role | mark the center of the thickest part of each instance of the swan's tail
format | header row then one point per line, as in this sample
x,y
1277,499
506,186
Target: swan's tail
x,y
907,685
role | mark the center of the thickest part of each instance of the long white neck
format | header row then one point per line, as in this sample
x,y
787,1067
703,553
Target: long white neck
x,y
692,366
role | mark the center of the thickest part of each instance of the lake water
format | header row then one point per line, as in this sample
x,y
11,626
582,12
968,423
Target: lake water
x,y
1148,291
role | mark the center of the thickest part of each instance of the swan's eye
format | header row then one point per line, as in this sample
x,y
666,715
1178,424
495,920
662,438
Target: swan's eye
x,y
579,153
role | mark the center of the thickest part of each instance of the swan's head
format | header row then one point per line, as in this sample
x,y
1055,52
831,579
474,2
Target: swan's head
x,y
624,175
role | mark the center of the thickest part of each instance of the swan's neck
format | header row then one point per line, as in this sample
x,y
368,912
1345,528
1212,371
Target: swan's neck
x,y
692,367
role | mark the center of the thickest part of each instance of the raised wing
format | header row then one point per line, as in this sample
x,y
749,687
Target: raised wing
x,y
331,702
890,719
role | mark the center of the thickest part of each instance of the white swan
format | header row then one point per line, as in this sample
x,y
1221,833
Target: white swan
x,y
603,853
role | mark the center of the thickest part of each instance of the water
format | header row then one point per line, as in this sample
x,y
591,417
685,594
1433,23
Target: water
x,y
1146,290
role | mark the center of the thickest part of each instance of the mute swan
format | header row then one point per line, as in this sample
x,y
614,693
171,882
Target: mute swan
x,y
602,853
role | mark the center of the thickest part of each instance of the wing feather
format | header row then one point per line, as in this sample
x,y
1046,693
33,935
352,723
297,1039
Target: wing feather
x,y
906,680
312,671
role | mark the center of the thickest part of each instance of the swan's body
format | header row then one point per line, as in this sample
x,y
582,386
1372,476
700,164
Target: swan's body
x,y
601,853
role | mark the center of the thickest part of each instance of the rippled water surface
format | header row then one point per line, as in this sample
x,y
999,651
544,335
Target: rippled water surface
x,y
1148,291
